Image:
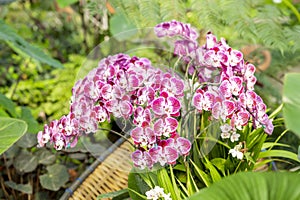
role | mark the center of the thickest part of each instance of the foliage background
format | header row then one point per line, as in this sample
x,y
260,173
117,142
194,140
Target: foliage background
x,y
52,39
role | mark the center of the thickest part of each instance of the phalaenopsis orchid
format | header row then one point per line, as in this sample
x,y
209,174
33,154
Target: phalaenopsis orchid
x,y
131,88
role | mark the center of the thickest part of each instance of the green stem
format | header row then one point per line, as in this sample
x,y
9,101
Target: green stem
x,y
293,8
276,141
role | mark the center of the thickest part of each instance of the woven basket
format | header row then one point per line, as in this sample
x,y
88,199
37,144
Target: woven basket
x,y
107,174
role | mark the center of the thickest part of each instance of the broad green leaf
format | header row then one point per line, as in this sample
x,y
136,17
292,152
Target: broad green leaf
x,y
219,163
56,177
121,28
28,140
65,3
33,125
279,153
137,186
23,48
291,102
11,130
12,152
25,162
45,157
8,105
117,194
253,185
25,188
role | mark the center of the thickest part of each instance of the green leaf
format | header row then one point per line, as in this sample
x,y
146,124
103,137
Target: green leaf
x,y
299,152
219,163
137,186
279,153
267,145
8,105
25,188
45,157
202,175
164,181
33,125
11,130
253,185
23,48
65,3
25,162
123,193
28,140
56,177
213,171
121,28
291,101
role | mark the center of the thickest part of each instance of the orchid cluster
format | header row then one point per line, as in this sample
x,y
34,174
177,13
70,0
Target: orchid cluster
x,y
129,88
225,81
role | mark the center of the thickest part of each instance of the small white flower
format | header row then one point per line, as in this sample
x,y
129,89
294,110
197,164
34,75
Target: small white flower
x,y
235,152
226,128
157,193
225,135
277,1
234,137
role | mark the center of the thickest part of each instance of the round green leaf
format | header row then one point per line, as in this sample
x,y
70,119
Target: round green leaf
x,y
253,185
11,130
45,157
56,177
28,140
291,102
25,188
25,162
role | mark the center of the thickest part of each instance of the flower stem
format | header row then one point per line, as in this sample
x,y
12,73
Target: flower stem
x,y
119,134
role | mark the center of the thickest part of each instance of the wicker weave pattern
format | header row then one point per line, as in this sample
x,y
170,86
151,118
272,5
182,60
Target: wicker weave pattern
x,y
111,175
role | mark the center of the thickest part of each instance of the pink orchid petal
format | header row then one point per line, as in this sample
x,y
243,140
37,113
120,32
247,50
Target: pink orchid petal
x,y
236,85
229,107
158,106
236,57
178,85
216,110
171,154
225,89
158,127
243,117
150,135
208,100
106,91
171,123
155,153
184,145
137,134
174,103
197,101
126,108
133,81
